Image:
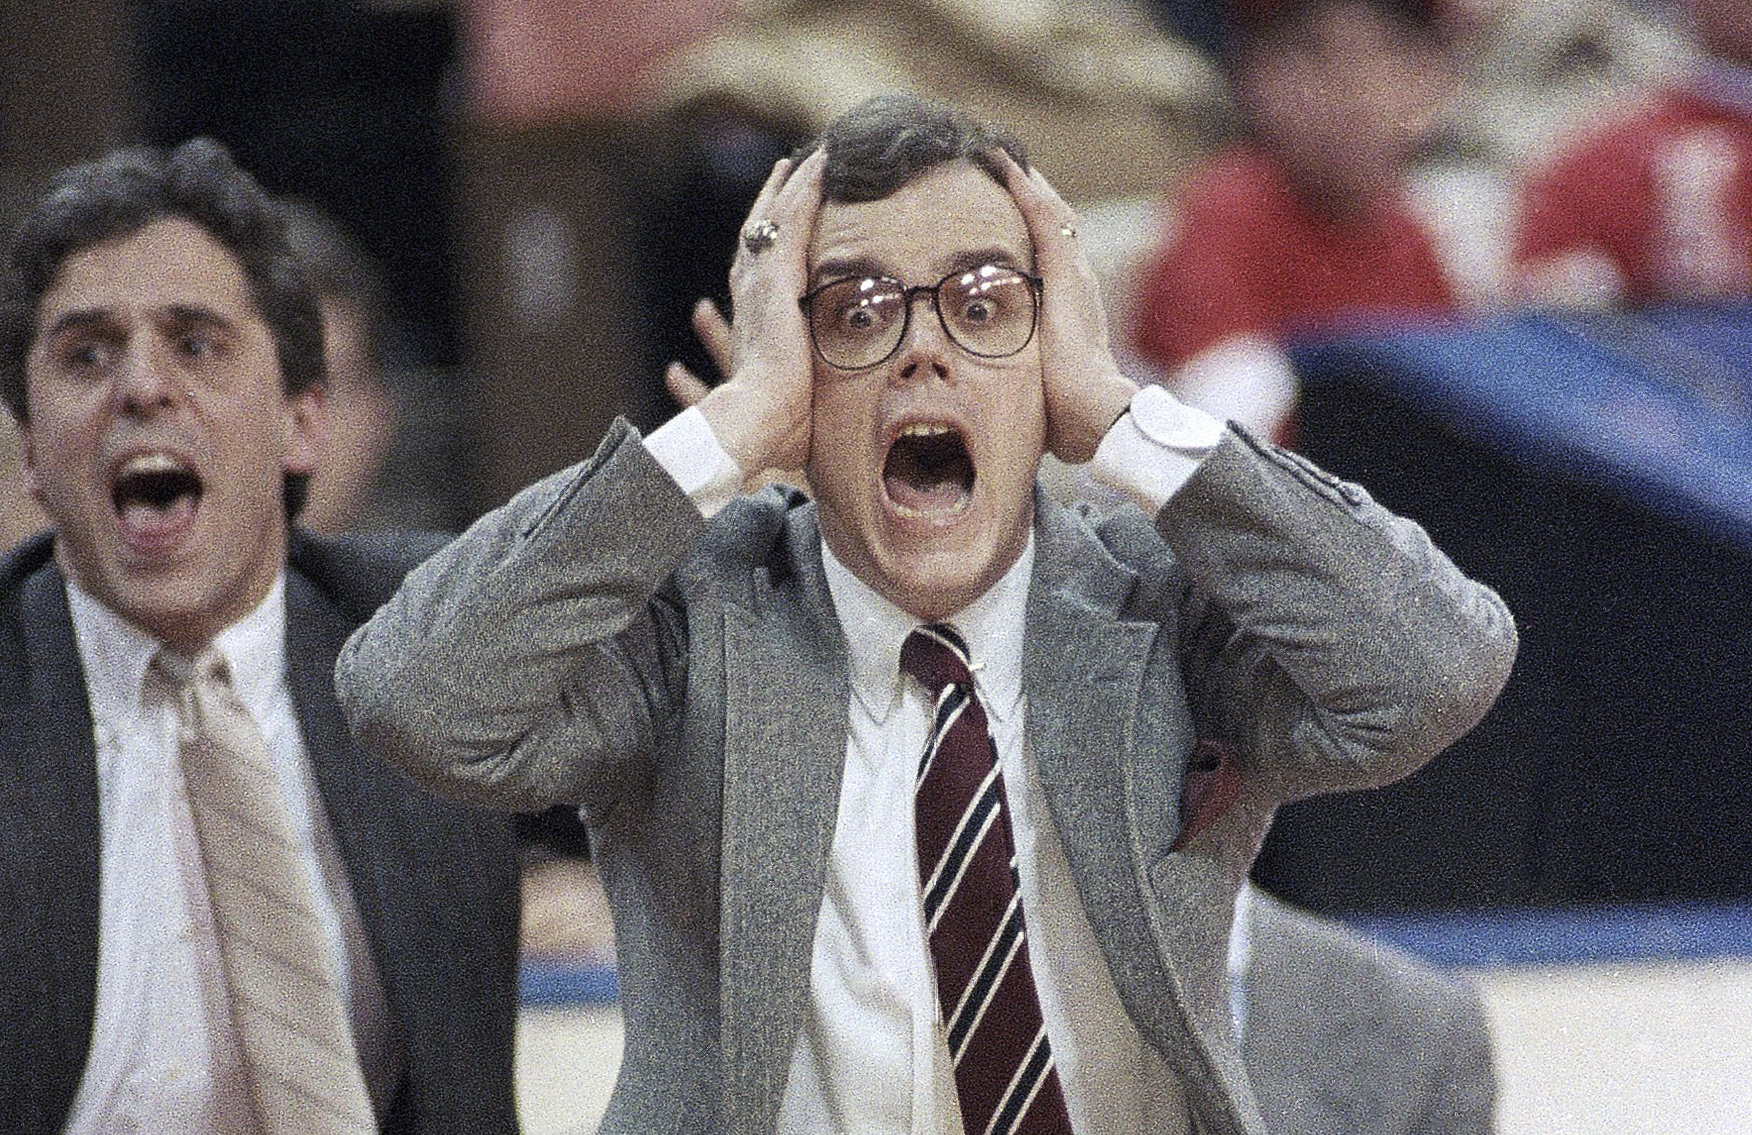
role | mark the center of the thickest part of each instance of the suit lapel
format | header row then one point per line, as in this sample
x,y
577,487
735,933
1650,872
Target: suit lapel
x,y
1083,669
1112,765
349,783
51,844
434,884
786,696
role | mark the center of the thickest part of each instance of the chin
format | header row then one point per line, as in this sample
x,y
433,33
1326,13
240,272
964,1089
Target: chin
x,y
938,584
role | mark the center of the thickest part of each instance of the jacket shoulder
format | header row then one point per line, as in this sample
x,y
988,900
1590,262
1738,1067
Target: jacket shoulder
x,y
17,566
23,560
360,572
762,532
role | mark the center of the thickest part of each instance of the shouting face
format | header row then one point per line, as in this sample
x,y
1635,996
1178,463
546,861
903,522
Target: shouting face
x,y
924,462
160,432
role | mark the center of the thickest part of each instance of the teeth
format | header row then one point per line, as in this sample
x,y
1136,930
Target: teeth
x,y
926,429
147,463
912,513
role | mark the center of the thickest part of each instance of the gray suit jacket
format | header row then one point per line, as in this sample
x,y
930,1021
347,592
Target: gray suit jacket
x,y
1347,1036
594,640
435,884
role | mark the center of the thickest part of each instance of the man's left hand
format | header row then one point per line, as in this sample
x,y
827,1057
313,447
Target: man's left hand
x,y
1085,390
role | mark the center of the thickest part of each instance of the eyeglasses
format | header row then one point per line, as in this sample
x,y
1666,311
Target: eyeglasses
x,y
860,321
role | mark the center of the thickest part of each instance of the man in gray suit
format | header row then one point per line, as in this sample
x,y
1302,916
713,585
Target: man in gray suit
x,y
742,690
1344,1035
162,352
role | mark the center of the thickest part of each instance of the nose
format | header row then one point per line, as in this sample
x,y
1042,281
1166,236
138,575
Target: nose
x,y
925,347
144,382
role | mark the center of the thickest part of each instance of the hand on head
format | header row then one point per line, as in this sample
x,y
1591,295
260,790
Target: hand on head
x,y
921,424
763,415
760,413
1085,390
713,330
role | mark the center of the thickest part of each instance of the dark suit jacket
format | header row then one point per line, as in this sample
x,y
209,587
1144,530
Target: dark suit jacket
x,y
435,885
1347,1036
594,640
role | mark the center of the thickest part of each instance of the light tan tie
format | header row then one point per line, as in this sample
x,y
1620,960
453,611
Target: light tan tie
x,y
296,1038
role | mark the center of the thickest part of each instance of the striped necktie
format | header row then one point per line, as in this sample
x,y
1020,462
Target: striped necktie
x,y
1004,1074
295,1036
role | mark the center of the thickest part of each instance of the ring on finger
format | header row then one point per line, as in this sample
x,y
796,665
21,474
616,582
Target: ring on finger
x,y
760,237
1068,229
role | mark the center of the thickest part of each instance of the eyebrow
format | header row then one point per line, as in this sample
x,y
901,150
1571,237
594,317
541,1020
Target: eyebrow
x,y
842,267
993,254
82,320
102,319
185,314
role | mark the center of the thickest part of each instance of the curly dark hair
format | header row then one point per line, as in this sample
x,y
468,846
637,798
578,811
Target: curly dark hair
x,y
888,140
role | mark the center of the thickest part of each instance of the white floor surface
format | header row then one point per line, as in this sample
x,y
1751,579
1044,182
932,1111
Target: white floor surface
x,y
1620,1049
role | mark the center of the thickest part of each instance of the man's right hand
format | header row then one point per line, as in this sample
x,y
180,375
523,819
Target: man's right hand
x,y
713,331
760,414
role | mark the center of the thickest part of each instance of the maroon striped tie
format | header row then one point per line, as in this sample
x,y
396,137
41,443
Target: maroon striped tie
x,y
1004,1072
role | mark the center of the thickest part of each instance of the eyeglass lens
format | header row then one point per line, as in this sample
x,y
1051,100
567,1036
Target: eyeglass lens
x,y
859,321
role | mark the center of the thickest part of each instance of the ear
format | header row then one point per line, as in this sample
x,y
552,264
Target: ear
x,y
27,460
306,425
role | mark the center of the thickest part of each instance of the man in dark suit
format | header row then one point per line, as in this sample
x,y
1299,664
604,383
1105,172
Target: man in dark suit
x,y
162,353
753,696
1344,1035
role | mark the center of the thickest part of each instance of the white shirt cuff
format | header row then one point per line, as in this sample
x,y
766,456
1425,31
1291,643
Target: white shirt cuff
x,y
1154,448
689,452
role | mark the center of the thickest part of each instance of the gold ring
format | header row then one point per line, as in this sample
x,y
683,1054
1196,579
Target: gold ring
x,y
759,238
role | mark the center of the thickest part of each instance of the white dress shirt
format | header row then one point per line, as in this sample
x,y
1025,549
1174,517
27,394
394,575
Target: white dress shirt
x,y
164,1054
872,1056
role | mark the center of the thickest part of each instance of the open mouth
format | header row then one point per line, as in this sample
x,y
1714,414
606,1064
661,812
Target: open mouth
x,y
928,471
155,496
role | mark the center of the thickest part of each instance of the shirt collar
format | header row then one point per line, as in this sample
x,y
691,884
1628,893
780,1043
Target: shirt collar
x,y
875,628
115,652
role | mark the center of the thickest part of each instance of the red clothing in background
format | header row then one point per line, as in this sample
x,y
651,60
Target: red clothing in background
x,y
1664,195
1246,257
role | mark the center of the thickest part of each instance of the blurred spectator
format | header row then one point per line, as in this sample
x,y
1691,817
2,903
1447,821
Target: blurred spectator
x,y
1537,70
354,488
1530,70
1304,224
390,457
1343,1033
1657,204
362,409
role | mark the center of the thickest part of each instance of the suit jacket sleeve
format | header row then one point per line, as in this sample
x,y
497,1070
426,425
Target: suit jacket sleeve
x,y
530,662
1324,635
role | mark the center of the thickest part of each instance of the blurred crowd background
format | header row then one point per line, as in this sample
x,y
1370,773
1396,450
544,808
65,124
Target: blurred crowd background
x,y
1402,235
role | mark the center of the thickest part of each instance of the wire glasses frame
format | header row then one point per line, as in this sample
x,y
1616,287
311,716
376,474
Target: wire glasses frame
x,y
860,321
